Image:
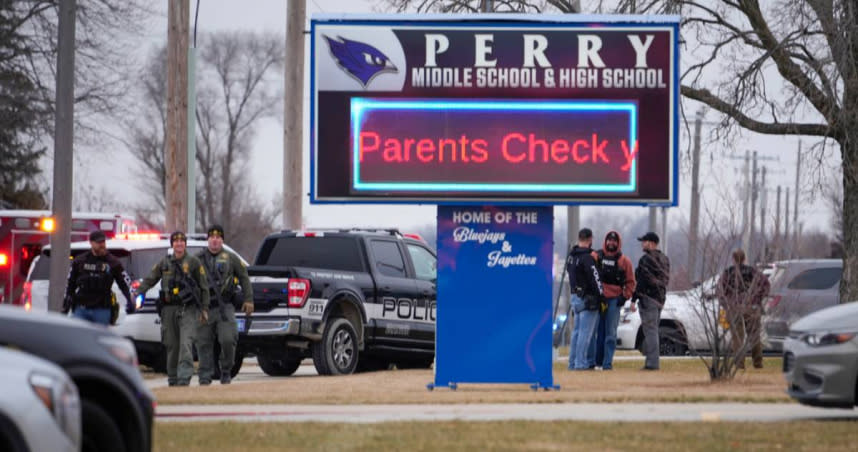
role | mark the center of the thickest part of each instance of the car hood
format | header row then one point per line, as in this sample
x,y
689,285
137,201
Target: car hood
x,y
840,317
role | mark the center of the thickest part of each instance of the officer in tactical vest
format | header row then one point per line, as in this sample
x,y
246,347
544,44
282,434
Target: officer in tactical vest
x,y
229,289
183,303
618,280
88,291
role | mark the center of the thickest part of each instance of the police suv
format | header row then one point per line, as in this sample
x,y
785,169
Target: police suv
x,y
352,300
138,253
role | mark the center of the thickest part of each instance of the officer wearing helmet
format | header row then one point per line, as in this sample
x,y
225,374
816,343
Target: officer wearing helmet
x,y
229,288
91,276
183,304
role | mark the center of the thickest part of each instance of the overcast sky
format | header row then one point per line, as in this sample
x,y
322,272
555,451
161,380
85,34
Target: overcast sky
x,y
267,161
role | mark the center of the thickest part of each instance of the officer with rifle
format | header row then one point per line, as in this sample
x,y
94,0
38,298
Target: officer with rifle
x,y
183,303
229,288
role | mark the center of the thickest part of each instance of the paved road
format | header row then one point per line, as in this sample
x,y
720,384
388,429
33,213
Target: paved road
x,y
598,412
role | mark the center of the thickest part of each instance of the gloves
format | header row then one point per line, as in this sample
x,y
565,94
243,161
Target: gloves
x,y
204,316
67,304
247,307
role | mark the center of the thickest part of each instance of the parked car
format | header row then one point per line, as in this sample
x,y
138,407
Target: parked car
x,y
685,320
798,288
821,357
39,405
116,406
138,253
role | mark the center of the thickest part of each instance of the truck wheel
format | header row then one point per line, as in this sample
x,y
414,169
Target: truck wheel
x,y
337,352
100,432
236,365
277,367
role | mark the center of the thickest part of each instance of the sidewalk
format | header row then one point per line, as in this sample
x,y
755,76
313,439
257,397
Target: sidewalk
x,y
593,412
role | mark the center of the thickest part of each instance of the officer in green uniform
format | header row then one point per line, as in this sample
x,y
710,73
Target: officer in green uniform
x,y
230,289
182,304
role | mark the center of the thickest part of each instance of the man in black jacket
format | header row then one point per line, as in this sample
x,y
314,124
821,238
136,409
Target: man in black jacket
x,y
652,275
586,290
88,290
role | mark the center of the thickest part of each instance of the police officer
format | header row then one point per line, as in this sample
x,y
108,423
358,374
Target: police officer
x,y
586,296
88,290
226,276
183,302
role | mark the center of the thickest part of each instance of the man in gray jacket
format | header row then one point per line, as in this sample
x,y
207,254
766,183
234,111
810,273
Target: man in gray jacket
x,y
653,276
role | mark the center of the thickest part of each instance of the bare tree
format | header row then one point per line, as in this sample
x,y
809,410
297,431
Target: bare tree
x,y
780,68
146,129
235,91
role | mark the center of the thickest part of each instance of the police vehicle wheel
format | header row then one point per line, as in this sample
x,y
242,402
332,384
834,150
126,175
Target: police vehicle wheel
x,y
278,367
100,432
236,365
337,352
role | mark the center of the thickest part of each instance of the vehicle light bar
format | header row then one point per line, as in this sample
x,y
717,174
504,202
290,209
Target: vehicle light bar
x,y
139,236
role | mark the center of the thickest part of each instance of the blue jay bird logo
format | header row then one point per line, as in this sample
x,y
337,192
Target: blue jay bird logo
x,y
361,61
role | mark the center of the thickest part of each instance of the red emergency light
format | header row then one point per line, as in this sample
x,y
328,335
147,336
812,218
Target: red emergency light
x,y
4,260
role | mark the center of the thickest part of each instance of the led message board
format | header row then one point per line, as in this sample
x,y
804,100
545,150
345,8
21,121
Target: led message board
x,y
494,109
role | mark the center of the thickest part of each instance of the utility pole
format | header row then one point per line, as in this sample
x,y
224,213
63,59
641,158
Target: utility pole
x,y
763,201
795,207
178,18
63,154
293,136
751,249
695,199
777,238
787,237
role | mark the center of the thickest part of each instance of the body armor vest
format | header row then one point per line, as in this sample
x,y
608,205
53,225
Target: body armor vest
x,y
610,270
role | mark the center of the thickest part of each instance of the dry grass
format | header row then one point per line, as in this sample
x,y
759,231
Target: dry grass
x,y
678,381
509,435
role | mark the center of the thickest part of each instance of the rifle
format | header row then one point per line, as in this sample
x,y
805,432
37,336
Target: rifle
x,y
185,288
215,288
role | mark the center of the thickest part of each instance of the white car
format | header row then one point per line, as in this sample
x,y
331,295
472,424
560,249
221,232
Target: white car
x,y
39,405
138,253
685,320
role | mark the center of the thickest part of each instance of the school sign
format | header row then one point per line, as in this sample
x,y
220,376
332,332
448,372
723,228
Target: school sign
x,y
499,109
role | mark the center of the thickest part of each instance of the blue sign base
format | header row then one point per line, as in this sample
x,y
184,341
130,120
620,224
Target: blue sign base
x,y
494,296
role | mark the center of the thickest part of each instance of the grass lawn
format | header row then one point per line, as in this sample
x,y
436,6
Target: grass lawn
x,y
677,381
508,435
